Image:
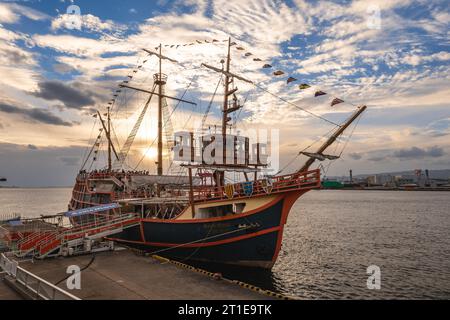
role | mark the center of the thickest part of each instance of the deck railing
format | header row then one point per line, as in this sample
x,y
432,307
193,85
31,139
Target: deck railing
x,y
296,181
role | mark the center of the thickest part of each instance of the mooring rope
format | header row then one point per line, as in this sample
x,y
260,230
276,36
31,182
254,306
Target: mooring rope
x,y
196,241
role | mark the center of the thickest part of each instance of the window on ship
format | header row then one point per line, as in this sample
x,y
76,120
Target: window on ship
x,y
220,211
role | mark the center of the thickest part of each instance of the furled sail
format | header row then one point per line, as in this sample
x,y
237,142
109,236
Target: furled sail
x,y
320,156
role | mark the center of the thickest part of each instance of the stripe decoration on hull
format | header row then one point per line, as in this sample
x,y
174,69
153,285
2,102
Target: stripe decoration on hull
x,y
251,240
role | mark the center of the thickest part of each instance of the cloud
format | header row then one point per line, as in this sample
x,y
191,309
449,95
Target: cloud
x,y
62,68
42,167
11,13
418,153
412,153
88,22
398,69
355,156
71,97
36,115
70,161
416,60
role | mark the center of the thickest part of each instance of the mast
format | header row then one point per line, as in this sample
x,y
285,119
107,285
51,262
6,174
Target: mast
x,y
160,80
227,83
333,138
109,140
160,139
106,128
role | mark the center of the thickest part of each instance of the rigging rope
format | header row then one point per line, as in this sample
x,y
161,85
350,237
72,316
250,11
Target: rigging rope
x,y
211,102
200,240
151,145
294,105
85,155
300,152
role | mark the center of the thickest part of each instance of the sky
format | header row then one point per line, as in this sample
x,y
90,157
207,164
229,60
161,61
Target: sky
x,y
392,56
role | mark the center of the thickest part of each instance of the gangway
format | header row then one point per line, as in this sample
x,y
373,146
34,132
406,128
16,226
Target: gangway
x,y
79,238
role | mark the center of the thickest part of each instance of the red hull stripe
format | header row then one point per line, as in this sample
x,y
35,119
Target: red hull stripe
x,y
204,244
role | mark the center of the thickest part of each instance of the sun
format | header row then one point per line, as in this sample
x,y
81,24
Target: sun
x,y
150,153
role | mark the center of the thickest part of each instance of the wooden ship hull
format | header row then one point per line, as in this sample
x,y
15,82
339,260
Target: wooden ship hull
x,y
247,231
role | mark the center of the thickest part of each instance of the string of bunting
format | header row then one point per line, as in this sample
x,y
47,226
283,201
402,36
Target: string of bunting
x,y
276,73
129,77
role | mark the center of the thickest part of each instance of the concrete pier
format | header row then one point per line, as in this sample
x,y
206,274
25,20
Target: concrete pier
x,y
8,293
125,275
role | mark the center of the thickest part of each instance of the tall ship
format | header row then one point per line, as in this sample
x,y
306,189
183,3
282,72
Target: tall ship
x,y
200,213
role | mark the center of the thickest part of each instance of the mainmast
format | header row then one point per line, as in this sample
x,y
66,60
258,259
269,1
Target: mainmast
x,y
226,93
109,139
333,138
160,124
160,79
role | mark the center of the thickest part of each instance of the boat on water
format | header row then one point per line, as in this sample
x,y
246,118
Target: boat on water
x,y
198,214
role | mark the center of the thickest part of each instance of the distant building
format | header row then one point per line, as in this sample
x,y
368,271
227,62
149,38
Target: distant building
x,y
404,180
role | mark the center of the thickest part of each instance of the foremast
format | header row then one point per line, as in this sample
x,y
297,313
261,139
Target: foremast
x,y
340,130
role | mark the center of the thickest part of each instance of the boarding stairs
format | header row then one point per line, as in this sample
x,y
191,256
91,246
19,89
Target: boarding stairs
x,y
77,239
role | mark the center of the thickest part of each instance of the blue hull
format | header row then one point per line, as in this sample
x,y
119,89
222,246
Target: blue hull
x,y
249,239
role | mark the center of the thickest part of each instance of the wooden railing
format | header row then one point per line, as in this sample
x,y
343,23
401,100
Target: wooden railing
x,y
297,181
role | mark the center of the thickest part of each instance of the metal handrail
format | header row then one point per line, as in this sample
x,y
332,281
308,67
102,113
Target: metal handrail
x,y
40,288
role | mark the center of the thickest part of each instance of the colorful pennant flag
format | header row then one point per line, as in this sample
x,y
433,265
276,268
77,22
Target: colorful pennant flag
x,y
248,54
336,101
267,66
319,93
240,48
257,59
278,73
291,79
304,86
